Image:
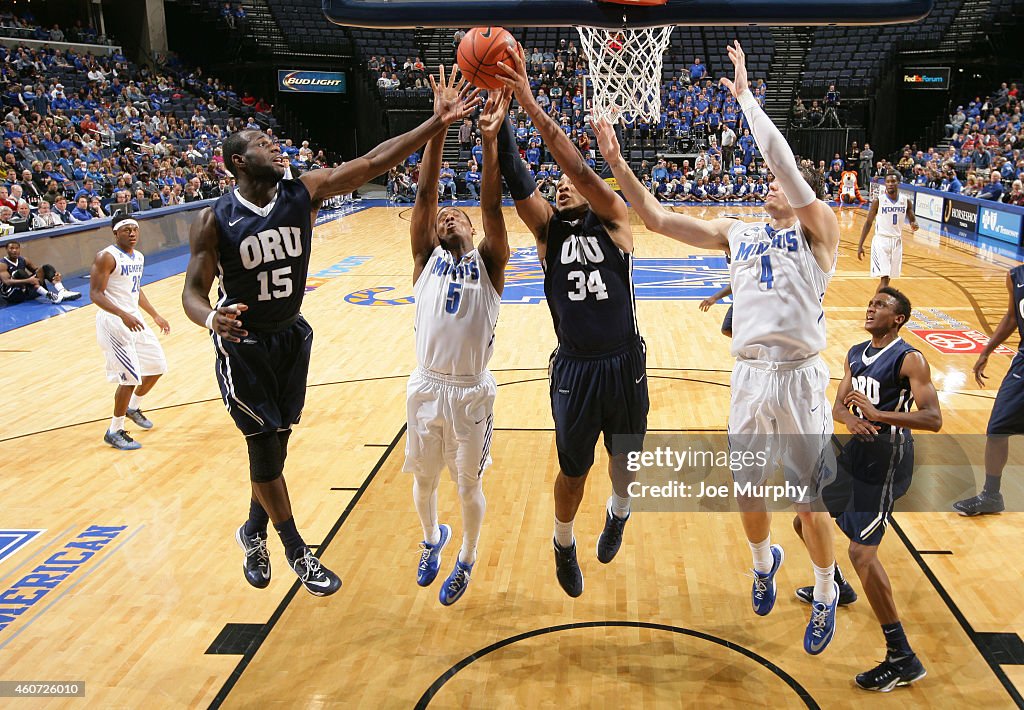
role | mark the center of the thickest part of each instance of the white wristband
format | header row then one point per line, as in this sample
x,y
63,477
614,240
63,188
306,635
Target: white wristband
x,y
209,319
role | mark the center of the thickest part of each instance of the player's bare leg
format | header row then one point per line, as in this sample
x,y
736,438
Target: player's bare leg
x,y
134,410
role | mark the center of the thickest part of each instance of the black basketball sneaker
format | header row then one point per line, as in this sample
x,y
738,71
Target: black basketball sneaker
x,y
257,559
317,579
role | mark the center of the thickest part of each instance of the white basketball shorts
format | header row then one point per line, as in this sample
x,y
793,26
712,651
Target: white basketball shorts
x,y
450,423
130,355
886,256
781,415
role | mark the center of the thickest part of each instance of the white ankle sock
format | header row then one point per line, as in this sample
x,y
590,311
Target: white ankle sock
x,y
116,424
563,533
41,291
824,587
762,551
619,507
135,401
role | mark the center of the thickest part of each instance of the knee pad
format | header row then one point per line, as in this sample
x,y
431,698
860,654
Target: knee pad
x,y
49,272
265,460
282,437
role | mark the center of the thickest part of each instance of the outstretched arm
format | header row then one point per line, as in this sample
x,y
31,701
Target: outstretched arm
x,y
603,200
705,234
818,219
346,178
868,221
494,247
423,226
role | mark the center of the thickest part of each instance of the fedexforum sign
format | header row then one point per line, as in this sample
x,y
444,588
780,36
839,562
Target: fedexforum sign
x,y
314,82
926,78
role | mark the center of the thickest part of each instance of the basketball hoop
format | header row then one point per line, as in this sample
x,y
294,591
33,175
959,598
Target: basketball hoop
x,y
625,66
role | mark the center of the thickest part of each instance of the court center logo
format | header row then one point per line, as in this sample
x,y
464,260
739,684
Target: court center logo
x,y
690,278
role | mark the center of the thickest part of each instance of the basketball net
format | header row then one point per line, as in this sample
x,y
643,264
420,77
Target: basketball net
x,y
625,67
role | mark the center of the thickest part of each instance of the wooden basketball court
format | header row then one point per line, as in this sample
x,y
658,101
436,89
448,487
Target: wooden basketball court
x,y
148,606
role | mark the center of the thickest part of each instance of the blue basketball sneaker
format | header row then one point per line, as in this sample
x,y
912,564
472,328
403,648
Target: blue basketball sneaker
x,y
430,558
822,626
762,594
455,586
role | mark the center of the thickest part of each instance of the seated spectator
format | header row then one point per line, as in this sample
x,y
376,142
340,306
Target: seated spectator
x,y
472,179
993,190
1016,194
45,217
21,220
60,208
5,200
81,212
971,187
21,280
96,208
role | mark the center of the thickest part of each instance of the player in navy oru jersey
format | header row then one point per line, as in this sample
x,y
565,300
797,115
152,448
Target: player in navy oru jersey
x,y
779,272
451,394
885,378
598,375
888,212
256,242
1007,418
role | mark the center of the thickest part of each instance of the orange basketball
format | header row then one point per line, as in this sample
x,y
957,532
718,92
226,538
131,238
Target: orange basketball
x,y
479,53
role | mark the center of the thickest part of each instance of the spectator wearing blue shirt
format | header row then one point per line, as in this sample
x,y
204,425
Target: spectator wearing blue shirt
x,y
993,190
472,179
478,153
697,71
446,181
87,191
950,183
81,211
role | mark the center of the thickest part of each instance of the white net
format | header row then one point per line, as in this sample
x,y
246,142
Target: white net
x,y
625,66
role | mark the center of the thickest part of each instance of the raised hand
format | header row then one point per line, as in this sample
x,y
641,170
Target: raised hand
x,y
454,99
494,113
739,61
607,142
515,77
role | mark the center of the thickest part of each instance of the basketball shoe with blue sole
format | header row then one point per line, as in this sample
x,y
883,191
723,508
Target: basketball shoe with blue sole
x,y
762,594
456,584
822,625
430,558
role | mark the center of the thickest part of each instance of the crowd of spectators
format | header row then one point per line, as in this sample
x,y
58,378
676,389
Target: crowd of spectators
x,y
985,154
695,111
25,26
84,133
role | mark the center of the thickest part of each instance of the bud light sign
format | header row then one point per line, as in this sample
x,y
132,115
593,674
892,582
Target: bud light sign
x,y
313,82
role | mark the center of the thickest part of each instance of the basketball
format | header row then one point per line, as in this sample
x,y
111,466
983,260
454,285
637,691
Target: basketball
x,y
479,53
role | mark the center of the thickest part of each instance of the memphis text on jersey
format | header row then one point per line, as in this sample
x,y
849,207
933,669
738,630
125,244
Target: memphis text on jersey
x,y
783,240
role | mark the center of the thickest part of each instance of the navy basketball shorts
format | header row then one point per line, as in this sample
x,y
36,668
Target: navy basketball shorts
x,y
263,378
872,476
1007,416
727,322
591,396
